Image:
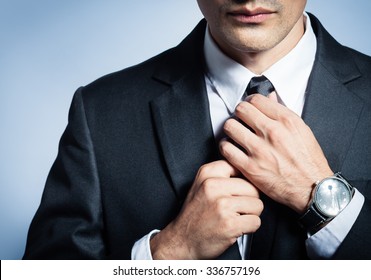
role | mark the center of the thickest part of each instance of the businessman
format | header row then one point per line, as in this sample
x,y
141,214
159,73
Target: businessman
x,y
249,140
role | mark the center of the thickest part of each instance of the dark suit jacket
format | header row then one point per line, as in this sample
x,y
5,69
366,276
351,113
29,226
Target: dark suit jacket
x,y
136,138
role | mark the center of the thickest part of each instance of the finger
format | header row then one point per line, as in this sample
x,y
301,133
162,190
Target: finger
x,y
234,155
241,187
269,106
228,187
220,168
242,135
242,205
252,117
245,224
273,96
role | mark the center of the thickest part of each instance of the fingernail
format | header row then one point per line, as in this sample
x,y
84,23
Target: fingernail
x,y
248,98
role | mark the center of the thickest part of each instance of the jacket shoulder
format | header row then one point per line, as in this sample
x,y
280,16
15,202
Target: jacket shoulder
x,y
129,78
350,67
161,69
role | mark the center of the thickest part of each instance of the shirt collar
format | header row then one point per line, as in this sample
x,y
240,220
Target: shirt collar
x,y
230,78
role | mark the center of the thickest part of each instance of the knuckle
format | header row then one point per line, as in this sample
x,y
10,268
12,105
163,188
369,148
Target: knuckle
x,y
228,225
208,186
232,240
275,134
205,170
222,204
273,130
289,121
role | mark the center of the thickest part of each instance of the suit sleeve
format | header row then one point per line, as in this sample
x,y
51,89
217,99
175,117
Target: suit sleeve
x,y
69,221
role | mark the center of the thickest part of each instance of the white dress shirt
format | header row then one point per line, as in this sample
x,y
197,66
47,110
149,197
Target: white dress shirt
x,y
226,81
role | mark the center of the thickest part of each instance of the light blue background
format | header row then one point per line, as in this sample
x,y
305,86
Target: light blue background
x,y
49,48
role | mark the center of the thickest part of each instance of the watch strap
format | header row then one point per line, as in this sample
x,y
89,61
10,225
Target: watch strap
x,y
312,219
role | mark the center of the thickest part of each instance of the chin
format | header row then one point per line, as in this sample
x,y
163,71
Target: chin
x,y
252,43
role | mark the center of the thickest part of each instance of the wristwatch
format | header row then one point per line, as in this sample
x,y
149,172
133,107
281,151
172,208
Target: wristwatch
x,y
330,197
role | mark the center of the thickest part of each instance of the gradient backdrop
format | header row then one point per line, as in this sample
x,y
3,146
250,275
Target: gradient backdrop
x,y
49,48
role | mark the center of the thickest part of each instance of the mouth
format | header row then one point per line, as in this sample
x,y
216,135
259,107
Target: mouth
x,y
246,16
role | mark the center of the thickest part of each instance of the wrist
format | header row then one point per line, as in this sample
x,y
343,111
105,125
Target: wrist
x,y
167,245
308,194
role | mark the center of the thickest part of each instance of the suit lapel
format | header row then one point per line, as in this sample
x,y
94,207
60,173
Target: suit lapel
x,y
181,114
331,110
183,125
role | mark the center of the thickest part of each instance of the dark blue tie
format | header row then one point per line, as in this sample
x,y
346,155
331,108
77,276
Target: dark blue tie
x,y
259,84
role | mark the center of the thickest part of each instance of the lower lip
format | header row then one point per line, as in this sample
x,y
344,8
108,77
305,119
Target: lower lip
x,y
251,19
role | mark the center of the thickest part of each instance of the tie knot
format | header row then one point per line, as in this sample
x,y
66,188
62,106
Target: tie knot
x,y
259,84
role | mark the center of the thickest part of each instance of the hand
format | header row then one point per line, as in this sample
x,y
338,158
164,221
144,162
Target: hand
x,y
218,209
282,157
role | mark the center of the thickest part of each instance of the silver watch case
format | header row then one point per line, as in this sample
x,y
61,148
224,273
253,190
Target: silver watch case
x,y
331,196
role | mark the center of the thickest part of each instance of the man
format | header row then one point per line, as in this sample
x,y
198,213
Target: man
x,y
164,161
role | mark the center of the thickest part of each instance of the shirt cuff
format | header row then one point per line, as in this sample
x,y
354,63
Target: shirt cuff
x,y
142,249
324,243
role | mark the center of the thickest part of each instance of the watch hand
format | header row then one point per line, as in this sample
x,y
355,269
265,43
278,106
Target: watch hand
x,y
338,202
332,197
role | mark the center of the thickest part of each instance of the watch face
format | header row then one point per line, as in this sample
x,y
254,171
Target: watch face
x,y
332,196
